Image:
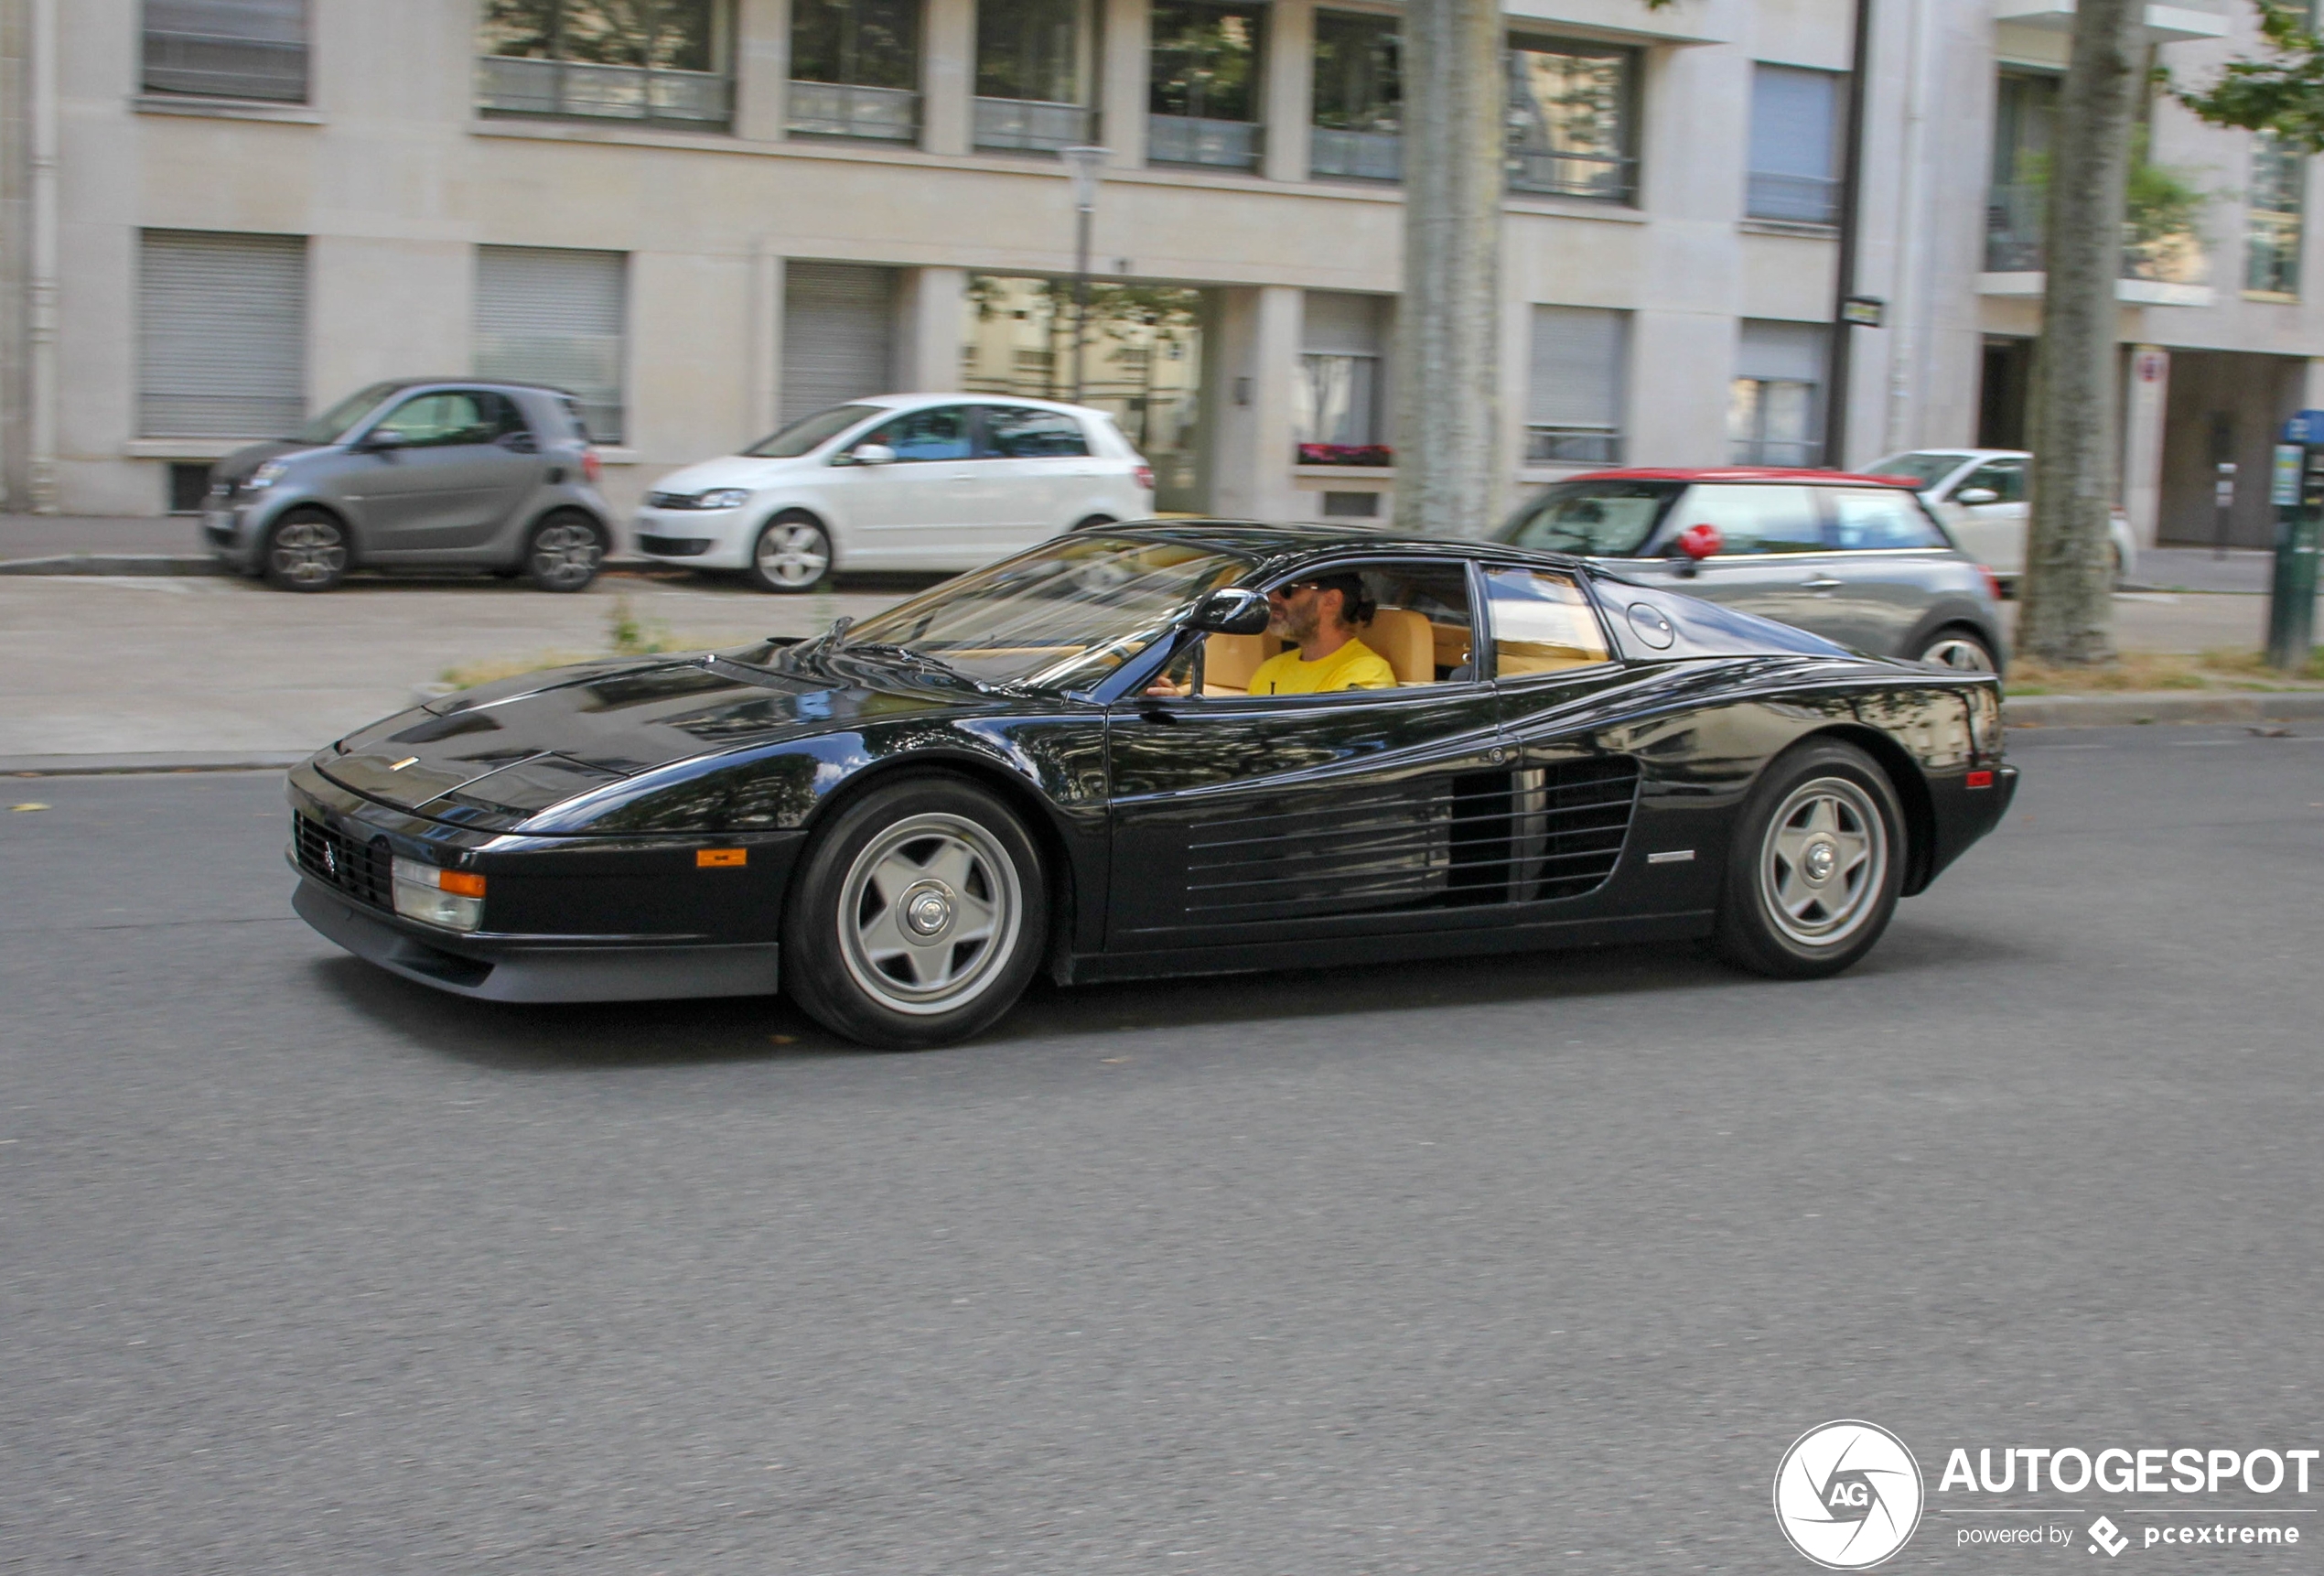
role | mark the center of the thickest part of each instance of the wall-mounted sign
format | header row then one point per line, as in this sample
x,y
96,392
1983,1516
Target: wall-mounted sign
x,y
1862,311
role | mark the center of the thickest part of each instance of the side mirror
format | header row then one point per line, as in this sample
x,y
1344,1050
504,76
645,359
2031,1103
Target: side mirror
x,y
378,441
1694,544
1237,610
1973,496
872,454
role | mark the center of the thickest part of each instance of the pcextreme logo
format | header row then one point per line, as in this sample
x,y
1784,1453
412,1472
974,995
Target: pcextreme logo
x,y
1847,1495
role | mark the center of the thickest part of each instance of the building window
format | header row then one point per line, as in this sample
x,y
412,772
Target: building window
x,y
1033,72
1775,405
1795,146
546,314
1359,98
2025,119
854,68
1202,98
1339,413
222,334
2276,209
227,49
1574,390
666,63
1570,120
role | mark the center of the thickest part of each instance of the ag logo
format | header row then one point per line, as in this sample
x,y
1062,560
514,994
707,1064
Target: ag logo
x,y
1847,1495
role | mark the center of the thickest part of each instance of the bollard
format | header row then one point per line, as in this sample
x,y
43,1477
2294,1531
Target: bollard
x,y
2297,490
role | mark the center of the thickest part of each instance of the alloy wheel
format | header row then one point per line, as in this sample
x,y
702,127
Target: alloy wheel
x,y
308,553
1959,654
565,555
1824,862
928,913
793,554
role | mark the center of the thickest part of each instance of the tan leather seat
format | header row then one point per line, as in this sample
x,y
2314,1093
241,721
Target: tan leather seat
x,y
1405,640
1229,661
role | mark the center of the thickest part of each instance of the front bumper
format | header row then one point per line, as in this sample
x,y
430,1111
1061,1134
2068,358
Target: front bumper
x,y
695,538
519,968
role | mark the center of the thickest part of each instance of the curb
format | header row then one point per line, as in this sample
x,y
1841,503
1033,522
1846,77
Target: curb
x,y
2167,706
115,564
120,765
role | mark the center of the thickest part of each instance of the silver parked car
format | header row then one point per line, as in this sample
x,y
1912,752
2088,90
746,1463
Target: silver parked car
x,y
1980,495
432,473
1857,559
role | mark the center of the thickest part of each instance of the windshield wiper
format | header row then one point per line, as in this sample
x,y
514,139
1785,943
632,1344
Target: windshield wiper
x,y
920,660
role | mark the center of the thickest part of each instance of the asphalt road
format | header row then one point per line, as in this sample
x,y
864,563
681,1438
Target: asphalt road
x,y
1528,1265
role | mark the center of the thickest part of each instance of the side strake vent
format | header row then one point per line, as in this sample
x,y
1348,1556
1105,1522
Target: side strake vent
x,y
1492,838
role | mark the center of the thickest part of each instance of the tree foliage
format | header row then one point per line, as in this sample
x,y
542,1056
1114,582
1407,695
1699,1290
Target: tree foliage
x,y
2283,93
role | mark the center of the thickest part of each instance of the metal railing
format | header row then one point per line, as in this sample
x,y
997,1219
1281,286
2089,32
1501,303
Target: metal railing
x,y
843,109
1794,199
1573,444
1593,177
2273,260
507,85
217,66
1033,125
2015,220
1356,154
1187,139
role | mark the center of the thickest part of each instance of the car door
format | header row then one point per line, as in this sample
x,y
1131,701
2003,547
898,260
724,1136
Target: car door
x,y
463,463
922,509
1039,462
1772,553
1241,822
1994,534
1890,560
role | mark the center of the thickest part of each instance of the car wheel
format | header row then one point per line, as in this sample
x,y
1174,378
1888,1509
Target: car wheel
x,y
305,551
917,918
1963,651
793,553
1816,861
565,551
1092,523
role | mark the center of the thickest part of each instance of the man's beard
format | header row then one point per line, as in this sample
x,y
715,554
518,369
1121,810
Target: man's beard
x,y
1288,624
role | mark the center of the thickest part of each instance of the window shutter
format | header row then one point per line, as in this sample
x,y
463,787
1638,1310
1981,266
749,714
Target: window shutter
x,y
1794,123
1337,323
227,49
1577,362
1783,352
222,334
838,335
545,315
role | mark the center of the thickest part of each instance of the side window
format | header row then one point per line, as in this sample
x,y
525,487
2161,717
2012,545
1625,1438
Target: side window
x,y
1542,621
441,420
1869,518
1016,432
1419,624
2005,477
1755,519
938,434
504,418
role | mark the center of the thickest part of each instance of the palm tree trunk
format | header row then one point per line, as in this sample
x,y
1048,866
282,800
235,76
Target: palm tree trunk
x,y
1449,478
2066,613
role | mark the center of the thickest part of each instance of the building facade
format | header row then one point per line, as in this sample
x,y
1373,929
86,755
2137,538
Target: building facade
x,y
707,217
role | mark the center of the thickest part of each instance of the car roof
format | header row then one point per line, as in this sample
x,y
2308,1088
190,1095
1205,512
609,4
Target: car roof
x,y
402,386
921,401
1745,473
1287,544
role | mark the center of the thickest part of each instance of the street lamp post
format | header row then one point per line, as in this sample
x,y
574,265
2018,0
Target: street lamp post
x,y
1084,163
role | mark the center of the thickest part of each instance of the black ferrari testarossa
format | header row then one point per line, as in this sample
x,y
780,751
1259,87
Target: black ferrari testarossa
x,y
1051,763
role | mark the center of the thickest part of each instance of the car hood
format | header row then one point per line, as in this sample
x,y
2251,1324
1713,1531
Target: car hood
x,y
236,467
589,743
735,470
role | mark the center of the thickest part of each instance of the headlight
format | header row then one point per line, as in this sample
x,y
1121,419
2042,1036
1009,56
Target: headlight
x,y
453,899
724,498
266,475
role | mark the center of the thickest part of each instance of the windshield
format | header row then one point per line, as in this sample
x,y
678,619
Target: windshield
x,y
1927,469
1612,519
811,432
335,423
1060,617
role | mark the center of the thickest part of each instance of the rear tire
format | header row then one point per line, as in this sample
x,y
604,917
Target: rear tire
x,y
1813,870
565,551
1961,650
918,916
306,550
793,553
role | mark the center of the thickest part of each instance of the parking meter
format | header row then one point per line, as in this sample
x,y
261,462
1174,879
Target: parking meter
x,y
2297,489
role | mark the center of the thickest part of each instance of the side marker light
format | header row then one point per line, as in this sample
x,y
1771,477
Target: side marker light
x,y
714,859
1980,779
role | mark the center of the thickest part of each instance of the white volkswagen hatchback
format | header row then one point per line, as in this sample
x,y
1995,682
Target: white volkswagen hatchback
x,y
901,482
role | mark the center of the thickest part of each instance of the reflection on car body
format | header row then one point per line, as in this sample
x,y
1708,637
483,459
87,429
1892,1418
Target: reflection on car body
x,y
1053,763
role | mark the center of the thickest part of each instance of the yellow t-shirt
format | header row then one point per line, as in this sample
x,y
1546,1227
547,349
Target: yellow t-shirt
x,y
1354,665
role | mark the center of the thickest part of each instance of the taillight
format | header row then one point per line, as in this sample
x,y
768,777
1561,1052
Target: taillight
x,y
592,468
1993,582
1143,477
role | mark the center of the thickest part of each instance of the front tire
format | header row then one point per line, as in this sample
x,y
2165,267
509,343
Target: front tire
x,y
1815,865
306,550
792,553
565,551
918,917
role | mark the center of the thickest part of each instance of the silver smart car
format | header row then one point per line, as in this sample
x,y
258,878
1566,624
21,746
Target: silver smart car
x,y
431,473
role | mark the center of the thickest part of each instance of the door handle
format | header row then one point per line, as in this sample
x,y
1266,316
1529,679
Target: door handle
x,y
1821,583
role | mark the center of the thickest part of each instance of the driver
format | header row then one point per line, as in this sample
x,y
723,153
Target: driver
x,y
1318,617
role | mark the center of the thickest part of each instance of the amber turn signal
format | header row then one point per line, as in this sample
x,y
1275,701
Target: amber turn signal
x,y
710,859
462,883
